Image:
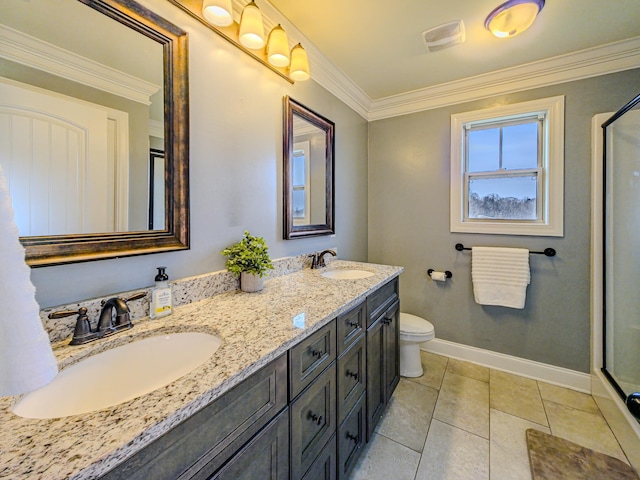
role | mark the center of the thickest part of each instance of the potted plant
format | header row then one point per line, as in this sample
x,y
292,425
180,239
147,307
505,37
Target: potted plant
x,y
249,260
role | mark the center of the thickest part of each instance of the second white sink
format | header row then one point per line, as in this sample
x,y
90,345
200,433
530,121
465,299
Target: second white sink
x,y
347,274
119,375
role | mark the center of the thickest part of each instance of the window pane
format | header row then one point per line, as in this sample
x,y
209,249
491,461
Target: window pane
x,y
484,150
510,198
298,204
520,146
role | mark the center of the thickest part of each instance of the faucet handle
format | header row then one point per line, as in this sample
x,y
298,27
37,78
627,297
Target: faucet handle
x,y
82,332
137,296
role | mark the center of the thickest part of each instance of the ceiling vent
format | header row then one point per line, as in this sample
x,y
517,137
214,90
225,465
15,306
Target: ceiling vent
x,y
444,36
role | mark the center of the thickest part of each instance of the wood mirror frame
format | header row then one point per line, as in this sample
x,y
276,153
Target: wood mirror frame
x,y
60,249
292,231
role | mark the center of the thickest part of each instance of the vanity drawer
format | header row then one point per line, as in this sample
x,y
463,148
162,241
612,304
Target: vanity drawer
x,y
324,468
310,357
198,446
350,325
313,421
379,300
352,377
351,438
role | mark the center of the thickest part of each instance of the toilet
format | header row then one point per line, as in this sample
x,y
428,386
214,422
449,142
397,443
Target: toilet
x,y
413,331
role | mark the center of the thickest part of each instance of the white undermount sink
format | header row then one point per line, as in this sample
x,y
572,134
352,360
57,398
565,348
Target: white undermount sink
x,y
347,274
119,375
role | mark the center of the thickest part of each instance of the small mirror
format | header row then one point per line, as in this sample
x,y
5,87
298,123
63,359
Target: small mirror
x,y
308,172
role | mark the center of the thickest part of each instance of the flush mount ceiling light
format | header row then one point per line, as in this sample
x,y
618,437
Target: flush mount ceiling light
x,y
513,17
218,12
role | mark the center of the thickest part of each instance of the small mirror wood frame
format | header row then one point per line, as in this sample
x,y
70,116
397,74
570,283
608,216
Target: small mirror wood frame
x,y
60,249
292,231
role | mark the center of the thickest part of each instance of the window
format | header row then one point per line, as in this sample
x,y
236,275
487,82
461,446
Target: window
x,y
507,168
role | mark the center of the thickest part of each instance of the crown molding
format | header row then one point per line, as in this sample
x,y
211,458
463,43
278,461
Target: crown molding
x,y
35,53
592,62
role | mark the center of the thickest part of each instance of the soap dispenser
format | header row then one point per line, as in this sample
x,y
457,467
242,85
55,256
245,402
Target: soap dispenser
x,y
160,295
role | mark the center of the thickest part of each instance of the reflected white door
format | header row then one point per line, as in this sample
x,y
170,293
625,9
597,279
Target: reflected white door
x,y
60,162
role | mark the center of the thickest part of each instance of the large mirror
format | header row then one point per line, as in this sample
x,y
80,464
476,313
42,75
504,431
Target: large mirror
x,y
94,128
308,172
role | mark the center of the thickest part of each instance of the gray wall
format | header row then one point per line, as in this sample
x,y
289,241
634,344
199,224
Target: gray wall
x,y
235,172
409,226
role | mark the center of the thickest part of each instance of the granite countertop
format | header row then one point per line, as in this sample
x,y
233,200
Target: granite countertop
x,y
255,328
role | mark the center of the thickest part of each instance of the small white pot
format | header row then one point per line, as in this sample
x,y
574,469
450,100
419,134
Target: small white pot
x,y
250,282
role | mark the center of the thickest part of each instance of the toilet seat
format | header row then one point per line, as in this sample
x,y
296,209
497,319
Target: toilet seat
x,y
412,326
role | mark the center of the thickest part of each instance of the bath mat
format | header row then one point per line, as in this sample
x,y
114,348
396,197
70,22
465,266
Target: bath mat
x,y
554,458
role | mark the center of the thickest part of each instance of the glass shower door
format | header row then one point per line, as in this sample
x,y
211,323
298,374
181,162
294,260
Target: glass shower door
x,y
622,251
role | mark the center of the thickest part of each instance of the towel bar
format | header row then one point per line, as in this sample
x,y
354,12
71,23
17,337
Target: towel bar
x,y
549,252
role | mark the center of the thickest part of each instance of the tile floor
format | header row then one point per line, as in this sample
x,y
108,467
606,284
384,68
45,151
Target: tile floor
x,y
463,421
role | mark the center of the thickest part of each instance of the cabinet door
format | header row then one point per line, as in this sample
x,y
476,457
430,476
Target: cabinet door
x,y
352,377
376,399
391,320
324,468
383,363
313,421
351,438
265,457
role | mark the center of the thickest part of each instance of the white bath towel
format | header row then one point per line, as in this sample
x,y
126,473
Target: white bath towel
x,y
26,358
500,276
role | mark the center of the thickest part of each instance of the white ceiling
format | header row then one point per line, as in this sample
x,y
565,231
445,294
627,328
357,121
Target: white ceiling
x,y
378,43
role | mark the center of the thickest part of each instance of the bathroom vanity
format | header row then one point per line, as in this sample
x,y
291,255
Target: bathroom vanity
x,y
304,373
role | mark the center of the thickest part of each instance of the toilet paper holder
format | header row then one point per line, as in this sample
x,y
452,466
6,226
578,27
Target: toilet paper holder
x,y
447,273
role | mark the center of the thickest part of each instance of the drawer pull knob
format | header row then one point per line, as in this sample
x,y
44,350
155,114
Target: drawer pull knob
x,y
354,324
352,437
317,353
386,321
315,418
351,374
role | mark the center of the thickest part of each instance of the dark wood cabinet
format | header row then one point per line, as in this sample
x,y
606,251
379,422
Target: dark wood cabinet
x,y
305,415
383,356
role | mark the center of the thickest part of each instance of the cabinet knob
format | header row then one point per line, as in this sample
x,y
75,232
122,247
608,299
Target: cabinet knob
x,y
317,353
352,437
351,374
354,324
387,321
315,418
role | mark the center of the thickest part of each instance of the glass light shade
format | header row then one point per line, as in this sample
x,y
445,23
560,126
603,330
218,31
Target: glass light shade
x,y
299,70
513,17
218,12
251,33
278,47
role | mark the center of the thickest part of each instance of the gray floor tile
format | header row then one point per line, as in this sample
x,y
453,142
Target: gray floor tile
x,y
509,458
409,414
516,395
570,398
453,454
468,369
385,459
464,403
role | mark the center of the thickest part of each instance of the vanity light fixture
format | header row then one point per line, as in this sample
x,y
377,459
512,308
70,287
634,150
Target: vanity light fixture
x,y
278,47
299,70
251,33
218,12
248,35
513,17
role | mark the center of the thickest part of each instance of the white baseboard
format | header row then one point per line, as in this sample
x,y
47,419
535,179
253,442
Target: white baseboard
x,y
519,366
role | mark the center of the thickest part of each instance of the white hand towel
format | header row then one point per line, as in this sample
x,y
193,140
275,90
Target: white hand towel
x,y
26,358
500,276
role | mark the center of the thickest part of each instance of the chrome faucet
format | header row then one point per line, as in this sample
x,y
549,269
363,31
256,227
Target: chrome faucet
x,y
317,259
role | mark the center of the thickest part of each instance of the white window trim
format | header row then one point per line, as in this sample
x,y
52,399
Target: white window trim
x,y
552,223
